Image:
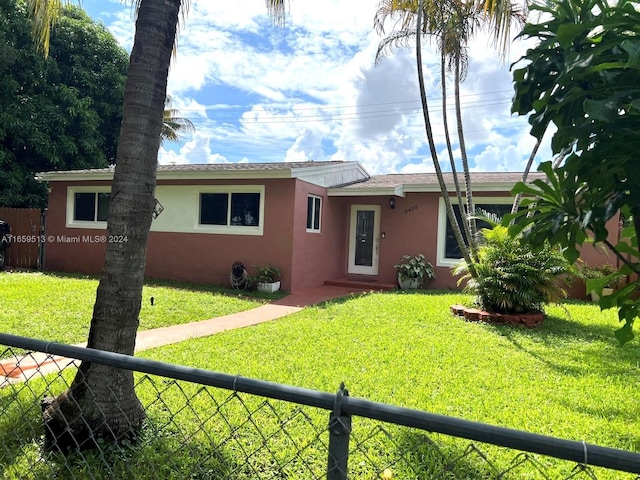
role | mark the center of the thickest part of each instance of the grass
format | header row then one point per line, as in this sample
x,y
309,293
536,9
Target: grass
x,y
58,307
568,378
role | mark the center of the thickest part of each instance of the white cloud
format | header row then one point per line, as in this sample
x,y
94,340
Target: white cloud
x,y
256,92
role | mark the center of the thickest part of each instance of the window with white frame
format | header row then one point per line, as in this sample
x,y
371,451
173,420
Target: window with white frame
x,y
87,207
448,250
232,209
314,213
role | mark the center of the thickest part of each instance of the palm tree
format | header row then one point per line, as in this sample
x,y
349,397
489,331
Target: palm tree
x,y
173,125
101,402
451,24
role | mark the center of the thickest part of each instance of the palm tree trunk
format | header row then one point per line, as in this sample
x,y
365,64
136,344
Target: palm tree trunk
x,y
101,402
525,174
471,209
432,148
445,120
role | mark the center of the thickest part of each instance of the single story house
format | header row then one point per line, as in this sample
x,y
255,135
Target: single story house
x,y
320,222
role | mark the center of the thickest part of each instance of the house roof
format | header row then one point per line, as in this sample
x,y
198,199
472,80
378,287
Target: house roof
x,y
342,178
402,183
325,173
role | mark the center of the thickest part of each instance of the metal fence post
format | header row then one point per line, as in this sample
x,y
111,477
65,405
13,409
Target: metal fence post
x,y
339,431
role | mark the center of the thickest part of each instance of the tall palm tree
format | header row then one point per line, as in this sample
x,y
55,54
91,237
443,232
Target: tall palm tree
x,y
174,126
450,24
101,402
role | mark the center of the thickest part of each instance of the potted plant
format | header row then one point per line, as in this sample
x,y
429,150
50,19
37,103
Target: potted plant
x,y
267,278
600,272
413,270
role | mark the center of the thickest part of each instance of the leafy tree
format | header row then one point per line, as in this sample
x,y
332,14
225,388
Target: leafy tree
x,y
450,24
101,402
58,113
582,77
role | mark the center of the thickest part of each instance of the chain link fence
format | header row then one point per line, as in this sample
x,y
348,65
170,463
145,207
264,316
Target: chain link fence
x,y
226,427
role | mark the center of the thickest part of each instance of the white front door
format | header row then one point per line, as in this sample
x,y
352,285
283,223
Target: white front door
x,y
364,239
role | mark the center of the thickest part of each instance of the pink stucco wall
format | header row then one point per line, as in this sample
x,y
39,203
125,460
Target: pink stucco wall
x,y
306,258
196,257
316,256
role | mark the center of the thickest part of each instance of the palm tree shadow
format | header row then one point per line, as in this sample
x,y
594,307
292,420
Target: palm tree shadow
x,y
597,349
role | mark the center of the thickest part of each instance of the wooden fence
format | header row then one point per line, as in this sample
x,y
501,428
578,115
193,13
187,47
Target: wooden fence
x,y
26,229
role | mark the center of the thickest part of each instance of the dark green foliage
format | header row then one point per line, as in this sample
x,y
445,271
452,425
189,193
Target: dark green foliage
x,y
582,77
511,278
268,274
59,113
414,266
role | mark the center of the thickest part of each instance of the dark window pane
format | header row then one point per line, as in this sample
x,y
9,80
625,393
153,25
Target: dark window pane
x,y
245,209
213,208
84,206
316,214
103,206
309,212
364,238
451,246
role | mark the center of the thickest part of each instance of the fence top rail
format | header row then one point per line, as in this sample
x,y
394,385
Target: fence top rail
x,y
580,452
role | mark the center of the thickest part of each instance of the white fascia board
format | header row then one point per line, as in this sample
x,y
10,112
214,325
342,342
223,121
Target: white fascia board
x,y
72,176
396,191
331,175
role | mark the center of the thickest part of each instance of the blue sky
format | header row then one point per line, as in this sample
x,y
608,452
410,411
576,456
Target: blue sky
x,y
311,91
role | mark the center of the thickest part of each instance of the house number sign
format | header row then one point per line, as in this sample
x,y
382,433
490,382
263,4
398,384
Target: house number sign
x,y
411,209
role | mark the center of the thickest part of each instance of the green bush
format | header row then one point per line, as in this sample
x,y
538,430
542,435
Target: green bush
x,y
511,278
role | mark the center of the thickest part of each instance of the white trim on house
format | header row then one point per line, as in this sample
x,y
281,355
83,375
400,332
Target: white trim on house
x,y
181,212
441,259
375,253
69,221
313,229
181,209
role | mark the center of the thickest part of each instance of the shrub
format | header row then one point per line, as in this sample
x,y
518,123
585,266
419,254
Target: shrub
x,y
267,274
511,278
414,266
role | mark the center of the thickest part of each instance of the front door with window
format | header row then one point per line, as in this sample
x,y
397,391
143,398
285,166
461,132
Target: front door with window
x,y
364,239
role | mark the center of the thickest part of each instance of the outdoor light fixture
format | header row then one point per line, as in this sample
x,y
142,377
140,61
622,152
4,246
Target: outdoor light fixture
x,y
392,203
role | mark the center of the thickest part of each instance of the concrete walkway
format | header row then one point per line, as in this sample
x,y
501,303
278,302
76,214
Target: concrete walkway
x,y
36,363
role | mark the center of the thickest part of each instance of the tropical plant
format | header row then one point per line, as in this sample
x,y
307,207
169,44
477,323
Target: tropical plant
x,y
268,274
582,77
451,24
510,277
604,271
101,403
414,266
174,126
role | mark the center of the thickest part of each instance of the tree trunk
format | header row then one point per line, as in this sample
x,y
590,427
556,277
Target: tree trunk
x,y
101,402
454,171
472,241
432,148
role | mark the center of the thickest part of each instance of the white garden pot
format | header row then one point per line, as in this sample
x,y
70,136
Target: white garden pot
x,y
408,283
268,287
605,291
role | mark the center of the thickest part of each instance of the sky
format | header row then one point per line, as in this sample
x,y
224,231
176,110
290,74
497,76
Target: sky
x,y
312,91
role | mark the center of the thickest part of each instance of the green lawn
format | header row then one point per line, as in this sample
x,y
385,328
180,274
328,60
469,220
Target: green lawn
x,y
58,307
568,378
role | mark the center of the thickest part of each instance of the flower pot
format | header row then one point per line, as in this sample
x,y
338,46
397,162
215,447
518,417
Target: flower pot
x,y
268,287
408,283
605,291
